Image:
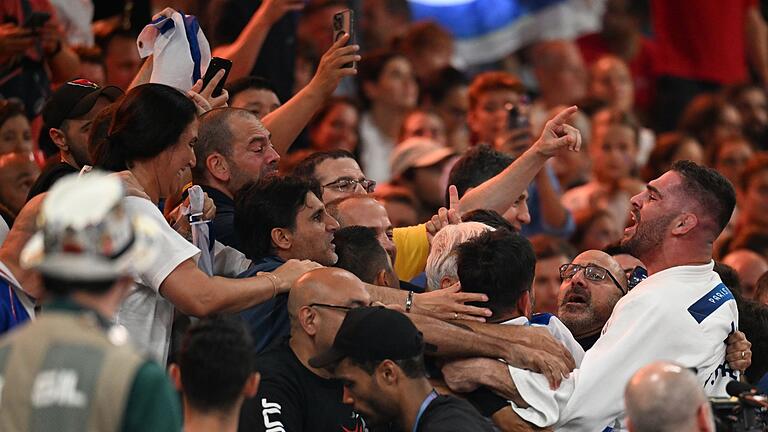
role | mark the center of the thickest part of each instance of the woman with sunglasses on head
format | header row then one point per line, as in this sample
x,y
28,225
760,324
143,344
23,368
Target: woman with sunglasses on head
x,y
152,135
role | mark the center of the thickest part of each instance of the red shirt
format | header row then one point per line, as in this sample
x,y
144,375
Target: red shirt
x,y
701,39
593,46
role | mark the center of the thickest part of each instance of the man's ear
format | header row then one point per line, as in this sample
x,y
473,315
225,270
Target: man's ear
x,y
447,281
282,238
684,224
175,374
388,372
306,317
58,138
381,278
525,304
251,385
218,167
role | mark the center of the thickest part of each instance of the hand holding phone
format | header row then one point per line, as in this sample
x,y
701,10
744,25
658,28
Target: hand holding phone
x,y
214,66
343,23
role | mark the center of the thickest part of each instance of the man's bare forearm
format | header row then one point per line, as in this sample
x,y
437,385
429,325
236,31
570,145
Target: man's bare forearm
x,y
457,340
501,191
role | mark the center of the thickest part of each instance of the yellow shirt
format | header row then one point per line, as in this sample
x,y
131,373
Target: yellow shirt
x,y
412,251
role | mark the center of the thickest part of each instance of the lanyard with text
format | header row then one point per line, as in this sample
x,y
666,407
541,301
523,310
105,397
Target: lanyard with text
x,y
430,397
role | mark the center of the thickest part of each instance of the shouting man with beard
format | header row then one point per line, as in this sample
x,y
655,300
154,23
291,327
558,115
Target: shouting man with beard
x,y
681,312
591,286
233,149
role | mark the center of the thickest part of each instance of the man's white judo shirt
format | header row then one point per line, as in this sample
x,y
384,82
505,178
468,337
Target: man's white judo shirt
x,y
683,314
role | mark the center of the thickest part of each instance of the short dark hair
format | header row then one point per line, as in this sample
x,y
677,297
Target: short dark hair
x,y
444,81
412,367
479,164
492,218
105,40
728,277
63,287
215,361
306,168
10,109
89,54
360,253
247,83
215,136
271,203
713,192
371,67
753,321
148,120
499,264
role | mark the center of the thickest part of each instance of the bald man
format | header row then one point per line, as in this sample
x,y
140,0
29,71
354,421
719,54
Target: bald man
x,y
749,266
586,302
665,396
24,285
364,210
293,395
297,397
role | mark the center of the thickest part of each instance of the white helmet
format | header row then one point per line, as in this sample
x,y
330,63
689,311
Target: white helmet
x,y
86,233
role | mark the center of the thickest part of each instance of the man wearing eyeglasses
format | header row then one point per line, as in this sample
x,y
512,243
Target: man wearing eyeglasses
x,y
294,396
590,287
681,312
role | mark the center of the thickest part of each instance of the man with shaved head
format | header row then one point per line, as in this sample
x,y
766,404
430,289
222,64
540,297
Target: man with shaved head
x,y
293,396
749,266
586,298
364,210
233,149
665,396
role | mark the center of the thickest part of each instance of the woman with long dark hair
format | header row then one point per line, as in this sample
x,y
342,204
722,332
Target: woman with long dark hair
x,y
152,134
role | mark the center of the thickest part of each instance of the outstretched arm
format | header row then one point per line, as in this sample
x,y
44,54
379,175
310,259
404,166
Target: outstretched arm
x,y
245,49
287,122
501,191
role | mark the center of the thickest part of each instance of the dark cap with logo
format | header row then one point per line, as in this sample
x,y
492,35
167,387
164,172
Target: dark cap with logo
x,y
74,99
373,333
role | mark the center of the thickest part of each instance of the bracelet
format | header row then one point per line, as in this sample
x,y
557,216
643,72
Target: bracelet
x,y
409,301
272,278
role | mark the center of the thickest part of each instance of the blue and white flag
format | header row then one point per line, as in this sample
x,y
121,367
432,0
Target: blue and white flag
x,y
487,30
180,50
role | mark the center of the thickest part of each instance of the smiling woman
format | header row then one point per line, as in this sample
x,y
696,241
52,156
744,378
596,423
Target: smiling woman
x,y
152,134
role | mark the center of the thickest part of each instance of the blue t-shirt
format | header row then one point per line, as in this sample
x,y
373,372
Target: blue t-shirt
x,y
267,321
12,311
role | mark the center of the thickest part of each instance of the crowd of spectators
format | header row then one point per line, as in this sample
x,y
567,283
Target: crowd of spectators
x,y
364,233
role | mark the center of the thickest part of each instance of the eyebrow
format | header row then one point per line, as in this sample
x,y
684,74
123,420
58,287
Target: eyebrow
x,y
654,190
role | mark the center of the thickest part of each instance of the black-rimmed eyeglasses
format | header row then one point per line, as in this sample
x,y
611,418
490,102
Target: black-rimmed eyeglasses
x,y
592,272
330,306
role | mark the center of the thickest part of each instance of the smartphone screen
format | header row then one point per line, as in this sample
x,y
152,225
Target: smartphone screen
x,y
343,23
214,66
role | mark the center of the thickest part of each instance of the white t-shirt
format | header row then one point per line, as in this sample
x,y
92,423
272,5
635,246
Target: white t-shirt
x,y
683,314
375,150
558,330
144,312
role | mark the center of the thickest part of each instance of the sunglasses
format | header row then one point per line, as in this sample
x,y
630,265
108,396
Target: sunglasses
x,y
592,272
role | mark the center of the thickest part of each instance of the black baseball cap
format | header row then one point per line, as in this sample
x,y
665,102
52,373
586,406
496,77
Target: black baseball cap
x,y
74,99
373,333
